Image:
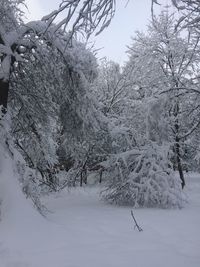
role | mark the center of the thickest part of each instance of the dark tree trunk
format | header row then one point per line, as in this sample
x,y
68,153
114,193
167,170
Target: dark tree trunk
x,y
179,164
177,142
81,180
4,87
100,176
178,153
83,177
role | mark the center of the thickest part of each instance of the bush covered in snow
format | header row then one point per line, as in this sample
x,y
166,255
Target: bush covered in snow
x,y
143,178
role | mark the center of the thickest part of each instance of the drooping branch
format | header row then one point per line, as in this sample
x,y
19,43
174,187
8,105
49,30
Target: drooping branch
x,y
189,10
83,16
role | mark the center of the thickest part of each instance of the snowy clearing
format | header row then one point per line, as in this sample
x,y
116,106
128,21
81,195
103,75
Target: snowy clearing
x,y
81,231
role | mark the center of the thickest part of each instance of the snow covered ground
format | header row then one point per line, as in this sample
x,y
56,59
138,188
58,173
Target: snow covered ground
x,y
81,231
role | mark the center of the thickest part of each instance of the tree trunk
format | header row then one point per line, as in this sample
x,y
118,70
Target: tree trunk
x,y
4,87
100,176
81,180
179,164
177,140
83,177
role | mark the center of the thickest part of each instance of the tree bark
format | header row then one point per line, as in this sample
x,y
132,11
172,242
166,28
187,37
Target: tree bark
x,y
178,155
4,88
179,164
177,139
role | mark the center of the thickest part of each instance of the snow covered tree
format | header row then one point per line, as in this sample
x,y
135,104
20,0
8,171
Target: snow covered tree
x,y
189,11
165,68
163,75
143,178
15,36
46,72
110,86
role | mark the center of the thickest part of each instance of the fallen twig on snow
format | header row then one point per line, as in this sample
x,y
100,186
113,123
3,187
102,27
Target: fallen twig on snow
x,y
136,224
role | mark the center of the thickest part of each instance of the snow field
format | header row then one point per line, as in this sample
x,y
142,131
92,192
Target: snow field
x,y
81,231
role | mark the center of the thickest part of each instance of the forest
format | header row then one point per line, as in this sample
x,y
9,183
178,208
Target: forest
x,y
75,129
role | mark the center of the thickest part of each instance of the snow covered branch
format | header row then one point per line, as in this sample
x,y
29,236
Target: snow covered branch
x,y
84,16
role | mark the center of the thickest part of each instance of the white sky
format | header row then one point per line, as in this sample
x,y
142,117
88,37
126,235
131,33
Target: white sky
x,y
114,40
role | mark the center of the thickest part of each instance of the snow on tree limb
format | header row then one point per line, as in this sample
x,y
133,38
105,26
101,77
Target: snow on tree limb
x,y
86,16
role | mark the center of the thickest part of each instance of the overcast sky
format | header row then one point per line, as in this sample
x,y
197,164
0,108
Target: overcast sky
x,y
113,40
